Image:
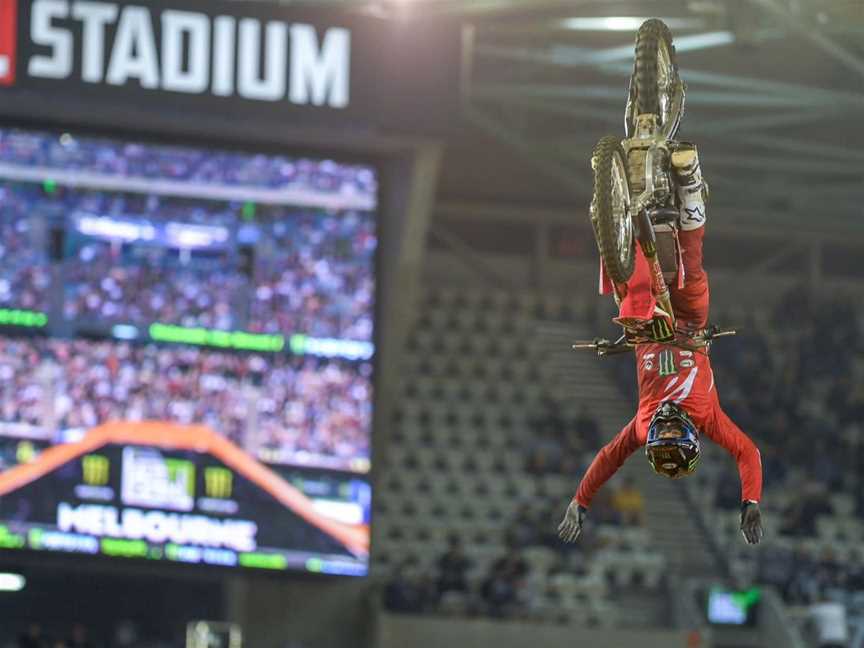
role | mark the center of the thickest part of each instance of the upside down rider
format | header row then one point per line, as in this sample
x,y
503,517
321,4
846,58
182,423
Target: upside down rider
x,y
678,399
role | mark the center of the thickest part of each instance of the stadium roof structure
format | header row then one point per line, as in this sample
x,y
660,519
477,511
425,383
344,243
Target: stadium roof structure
x,y
775,94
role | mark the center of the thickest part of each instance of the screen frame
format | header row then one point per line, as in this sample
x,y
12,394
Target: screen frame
x,y
380,162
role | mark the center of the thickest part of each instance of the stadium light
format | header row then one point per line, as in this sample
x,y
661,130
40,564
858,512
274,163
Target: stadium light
x,y
626,23
12,582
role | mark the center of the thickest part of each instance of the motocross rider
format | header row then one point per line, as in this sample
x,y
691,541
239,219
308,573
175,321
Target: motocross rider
x,y
678,399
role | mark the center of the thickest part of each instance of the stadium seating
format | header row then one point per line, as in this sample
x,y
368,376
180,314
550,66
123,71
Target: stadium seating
x,y
474,382
475,379
812,504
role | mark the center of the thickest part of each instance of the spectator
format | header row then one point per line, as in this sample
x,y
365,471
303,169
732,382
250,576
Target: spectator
x,y
603,509
855,571
32,637
525,529
406,592
829,619
544,455
78,638
627,502
502,587
728,495
452,568
800,517
587,428
803,587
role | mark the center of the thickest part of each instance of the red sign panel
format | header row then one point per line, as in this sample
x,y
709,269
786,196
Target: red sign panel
x,y
8,40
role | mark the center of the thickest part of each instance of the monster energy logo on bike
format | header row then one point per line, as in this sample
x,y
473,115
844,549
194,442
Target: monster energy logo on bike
x,y
661,331
667,363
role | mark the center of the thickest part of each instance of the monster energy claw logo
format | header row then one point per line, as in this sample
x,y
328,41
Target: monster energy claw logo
x,y
661,330
218,482
667,363
96,469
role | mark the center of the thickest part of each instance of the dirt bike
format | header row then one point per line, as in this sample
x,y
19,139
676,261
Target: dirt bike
x,y
634,188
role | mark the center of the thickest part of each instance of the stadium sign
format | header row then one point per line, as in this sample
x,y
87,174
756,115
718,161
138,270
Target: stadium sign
x,y
180,51
233,70
196,53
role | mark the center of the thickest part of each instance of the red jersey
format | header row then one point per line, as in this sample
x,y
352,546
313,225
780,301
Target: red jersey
x,y
667,372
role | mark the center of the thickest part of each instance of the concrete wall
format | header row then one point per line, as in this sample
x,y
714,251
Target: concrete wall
x,y
304,612
404,631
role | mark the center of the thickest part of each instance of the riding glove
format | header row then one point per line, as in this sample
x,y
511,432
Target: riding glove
x,y
751,522
571,526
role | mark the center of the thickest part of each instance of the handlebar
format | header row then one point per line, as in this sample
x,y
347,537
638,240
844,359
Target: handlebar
x,y
698,340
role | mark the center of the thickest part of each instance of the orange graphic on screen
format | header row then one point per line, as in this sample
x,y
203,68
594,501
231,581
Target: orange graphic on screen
x,y
195,438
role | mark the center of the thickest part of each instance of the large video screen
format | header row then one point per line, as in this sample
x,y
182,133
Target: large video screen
x,y
186,353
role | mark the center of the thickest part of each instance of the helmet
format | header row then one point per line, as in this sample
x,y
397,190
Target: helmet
x,y
673,442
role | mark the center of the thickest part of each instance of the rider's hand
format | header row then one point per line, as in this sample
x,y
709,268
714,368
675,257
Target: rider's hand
x,y
571,526
751,522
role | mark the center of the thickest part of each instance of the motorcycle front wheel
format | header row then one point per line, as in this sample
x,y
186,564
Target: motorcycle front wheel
x,y
610,209
656,77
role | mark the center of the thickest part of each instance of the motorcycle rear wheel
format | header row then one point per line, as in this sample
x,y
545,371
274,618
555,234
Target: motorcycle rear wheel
x,y
610,209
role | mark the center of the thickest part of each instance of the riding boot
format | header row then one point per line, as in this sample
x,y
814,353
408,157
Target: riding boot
x,y
692,188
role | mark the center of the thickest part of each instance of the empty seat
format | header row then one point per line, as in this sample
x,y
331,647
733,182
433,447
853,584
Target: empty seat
x,y
827,527
540,558
843,504
850,528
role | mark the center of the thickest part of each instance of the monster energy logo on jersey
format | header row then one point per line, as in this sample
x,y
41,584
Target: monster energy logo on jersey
x,y
667,363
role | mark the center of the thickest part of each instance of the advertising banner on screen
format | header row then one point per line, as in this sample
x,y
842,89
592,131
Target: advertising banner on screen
x,y
164,492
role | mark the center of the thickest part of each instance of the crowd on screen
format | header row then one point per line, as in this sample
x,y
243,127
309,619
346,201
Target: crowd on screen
x,y
312,273
109,284
25,277
226,168
318,277
285,409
